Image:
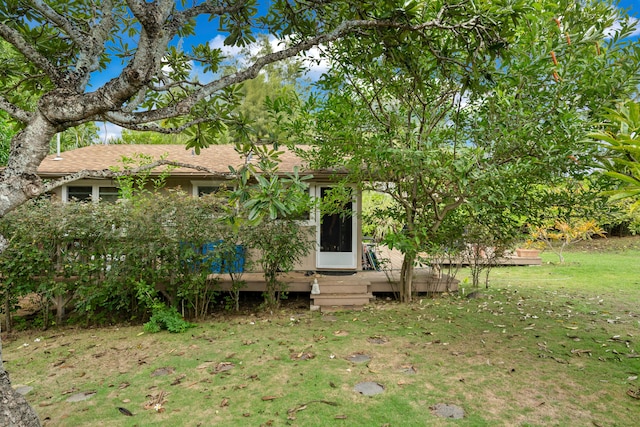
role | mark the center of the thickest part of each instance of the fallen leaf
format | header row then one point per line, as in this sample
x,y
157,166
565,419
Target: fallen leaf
x,y
178,379
302,356
156,401
71,390
225,402
125,411
266,398
297,408
634,393
204,365
222,367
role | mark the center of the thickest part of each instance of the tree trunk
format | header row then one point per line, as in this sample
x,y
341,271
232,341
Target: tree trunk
x,y
406,278
14,408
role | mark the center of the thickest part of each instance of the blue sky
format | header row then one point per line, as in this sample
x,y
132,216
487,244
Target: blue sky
x,y
634,11
633,4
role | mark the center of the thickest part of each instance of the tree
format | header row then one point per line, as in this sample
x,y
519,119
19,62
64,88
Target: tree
x,y
470,124
621,138
62,47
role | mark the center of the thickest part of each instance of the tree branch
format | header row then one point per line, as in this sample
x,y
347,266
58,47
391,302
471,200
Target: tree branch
x,y
89,58
61,21
208,8
110,174
155,127
15,111
184,106
23,46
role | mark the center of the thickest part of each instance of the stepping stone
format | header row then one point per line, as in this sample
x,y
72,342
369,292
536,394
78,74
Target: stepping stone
x,y
377,339
223,367
447,411
79,397
369,388
475,295
301,356
160,372
410,370
23,389
359,358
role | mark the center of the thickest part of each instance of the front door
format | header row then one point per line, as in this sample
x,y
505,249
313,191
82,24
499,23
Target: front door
x,y
336,236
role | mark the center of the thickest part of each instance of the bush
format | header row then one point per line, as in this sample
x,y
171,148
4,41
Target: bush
x,y
168,318
92,255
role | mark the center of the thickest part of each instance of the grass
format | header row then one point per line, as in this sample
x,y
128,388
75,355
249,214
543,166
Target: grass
x,y
548,345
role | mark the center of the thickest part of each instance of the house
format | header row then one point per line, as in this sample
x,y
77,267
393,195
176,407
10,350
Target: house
x,y
339,237
337,259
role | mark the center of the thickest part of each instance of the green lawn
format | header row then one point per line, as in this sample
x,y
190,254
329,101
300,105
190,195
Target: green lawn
x,y
547,345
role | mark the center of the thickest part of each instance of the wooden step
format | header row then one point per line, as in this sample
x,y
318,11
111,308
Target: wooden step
x,y
325,299
334,308
350,280
343,288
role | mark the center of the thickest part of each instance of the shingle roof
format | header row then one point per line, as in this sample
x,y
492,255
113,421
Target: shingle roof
x,y
98,157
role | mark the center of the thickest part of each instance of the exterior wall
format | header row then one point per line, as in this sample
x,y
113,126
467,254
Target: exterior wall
x,y
308,263
189,185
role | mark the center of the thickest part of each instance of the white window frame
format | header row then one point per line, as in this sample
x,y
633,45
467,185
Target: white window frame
x,y
195,185
336,260
95,188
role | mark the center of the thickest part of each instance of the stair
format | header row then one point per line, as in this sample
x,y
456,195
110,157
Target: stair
x,y
336,294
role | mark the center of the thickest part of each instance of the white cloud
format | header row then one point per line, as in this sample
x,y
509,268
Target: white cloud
x,y
315,63
311,59
635,23
108,132
229,51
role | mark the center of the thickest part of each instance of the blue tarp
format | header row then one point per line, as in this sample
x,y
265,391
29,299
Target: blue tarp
x,y
220,263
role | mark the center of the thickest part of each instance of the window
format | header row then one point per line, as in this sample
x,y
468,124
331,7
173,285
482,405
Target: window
x,y
108,194
79,193
91,192
202,188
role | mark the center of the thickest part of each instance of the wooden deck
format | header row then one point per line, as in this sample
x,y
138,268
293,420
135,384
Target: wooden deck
x,y
375,281
339,292
356,289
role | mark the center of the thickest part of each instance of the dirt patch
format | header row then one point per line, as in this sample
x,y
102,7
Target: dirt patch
x,y
615,244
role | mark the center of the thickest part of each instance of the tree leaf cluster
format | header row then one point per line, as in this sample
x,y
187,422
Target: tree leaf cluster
x,y
620,136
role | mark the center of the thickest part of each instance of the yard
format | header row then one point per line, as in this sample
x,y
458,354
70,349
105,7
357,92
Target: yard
x,y
548,345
